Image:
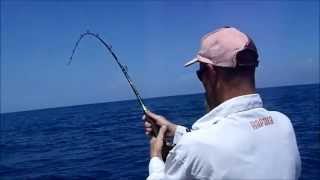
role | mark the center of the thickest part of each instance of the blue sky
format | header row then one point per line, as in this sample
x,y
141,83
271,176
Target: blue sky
x,y
154,39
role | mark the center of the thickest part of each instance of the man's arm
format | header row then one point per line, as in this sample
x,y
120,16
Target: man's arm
x,y
173,169
175,166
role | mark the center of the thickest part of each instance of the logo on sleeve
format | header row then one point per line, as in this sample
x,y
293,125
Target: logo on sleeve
x,y
261,122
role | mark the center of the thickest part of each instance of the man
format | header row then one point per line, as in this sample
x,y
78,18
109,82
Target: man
x,y
237,138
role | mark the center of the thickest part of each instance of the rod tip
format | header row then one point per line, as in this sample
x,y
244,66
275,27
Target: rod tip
x,y
69,62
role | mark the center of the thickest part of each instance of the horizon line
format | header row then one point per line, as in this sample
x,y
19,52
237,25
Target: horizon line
x,y
134,99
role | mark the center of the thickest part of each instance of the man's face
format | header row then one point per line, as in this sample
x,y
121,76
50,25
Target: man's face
x,y
206,75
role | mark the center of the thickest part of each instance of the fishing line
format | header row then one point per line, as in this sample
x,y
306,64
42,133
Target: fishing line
x,y
123,68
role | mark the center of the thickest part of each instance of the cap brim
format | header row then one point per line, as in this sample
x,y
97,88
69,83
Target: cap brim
x,y
198,59
194,60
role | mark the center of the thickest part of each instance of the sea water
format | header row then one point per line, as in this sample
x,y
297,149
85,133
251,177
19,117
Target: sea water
x,y
107,140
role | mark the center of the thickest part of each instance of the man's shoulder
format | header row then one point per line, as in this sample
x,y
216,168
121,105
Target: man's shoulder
x,y
280,117
215,135
278,114
283,121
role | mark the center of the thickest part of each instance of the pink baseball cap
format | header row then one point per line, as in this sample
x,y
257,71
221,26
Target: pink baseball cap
x,y
221,48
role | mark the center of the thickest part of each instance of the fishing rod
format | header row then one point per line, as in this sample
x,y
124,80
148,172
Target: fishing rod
x,y
123,68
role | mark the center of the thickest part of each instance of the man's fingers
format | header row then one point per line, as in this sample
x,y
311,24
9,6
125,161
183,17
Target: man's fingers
x,y
147,124
152,115
155,119
161,133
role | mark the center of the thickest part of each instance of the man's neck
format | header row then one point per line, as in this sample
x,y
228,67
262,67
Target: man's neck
x,y
227,93
231,93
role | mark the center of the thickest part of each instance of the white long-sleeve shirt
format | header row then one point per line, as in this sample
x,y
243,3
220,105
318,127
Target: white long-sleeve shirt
x,y
238,139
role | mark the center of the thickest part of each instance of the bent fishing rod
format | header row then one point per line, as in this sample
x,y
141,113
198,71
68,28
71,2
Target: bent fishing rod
x,y
123,68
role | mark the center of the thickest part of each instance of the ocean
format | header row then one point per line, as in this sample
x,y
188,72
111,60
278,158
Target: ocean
x,y
107,140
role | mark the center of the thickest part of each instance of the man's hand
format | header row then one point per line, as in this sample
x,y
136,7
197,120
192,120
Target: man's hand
x,y
170,130
156,143
158,121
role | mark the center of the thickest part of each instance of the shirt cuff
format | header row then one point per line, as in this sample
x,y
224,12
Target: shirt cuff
x,y
156,167
180,131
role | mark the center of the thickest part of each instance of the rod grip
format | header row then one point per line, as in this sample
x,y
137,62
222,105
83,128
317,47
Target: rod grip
x,y
155,128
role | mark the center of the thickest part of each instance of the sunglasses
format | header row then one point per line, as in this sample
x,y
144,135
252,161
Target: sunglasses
x,y
200,73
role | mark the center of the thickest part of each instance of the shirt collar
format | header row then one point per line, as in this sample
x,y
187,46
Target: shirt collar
x,y
233,105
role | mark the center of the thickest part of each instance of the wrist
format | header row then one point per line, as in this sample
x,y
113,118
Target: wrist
x,y
156,154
